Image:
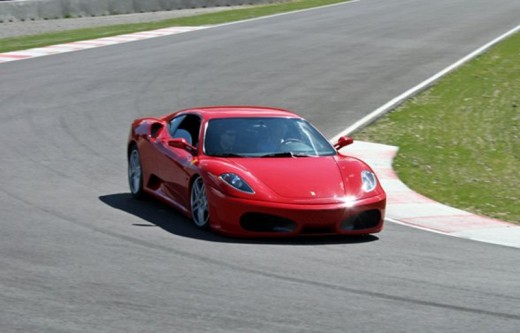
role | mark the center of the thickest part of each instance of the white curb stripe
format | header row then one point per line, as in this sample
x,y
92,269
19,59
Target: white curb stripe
x,y
89,44
18,55
406,207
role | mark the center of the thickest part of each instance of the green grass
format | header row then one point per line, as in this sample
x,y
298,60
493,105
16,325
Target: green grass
x,y
459,141
27,42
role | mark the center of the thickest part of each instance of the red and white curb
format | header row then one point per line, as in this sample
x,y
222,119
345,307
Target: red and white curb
x,y
407,207
404,206
89,44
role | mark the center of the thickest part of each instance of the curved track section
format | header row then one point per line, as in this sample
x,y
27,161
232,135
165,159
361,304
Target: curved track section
x,y
79,255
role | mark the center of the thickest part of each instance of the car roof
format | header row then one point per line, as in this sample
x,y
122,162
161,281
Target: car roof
x,y
213,112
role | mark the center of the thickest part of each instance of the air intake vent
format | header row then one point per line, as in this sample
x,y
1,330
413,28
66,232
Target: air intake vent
x,y
366,220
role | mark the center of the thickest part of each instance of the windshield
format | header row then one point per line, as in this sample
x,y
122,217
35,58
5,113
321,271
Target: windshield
x,y
264,137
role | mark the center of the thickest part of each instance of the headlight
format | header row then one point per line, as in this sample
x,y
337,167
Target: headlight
x,y
369,181
237,182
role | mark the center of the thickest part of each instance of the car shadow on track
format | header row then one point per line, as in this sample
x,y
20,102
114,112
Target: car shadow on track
x,y
172,221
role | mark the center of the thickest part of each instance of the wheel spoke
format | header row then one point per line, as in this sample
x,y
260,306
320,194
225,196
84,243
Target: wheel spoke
x,y
195,205
134,172
201,214
199,203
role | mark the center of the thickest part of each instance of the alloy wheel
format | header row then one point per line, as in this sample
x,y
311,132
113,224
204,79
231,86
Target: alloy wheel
x,y
199,204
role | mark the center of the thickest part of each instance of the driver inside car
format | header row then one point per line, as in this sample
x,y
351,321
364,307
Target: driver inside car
x,y
273,138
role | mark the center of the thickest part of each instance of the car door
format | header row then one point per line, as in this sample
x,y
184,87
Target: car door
x,y
174,164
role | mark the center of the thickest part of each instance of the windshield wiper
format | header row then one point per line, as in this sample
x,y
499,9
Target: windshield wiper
x,y
229,155
286,154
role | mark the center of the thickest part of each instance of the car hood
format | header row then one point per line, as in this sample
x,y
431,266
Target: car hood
x,y
298,177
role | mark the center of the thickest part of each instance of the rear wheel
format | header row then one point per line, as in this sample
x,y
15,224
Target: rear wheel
x,y
199,204
135,173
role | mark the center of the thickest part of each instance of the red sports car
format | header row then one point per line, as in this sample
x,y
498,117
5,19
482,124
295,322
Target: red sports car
x,y
253,171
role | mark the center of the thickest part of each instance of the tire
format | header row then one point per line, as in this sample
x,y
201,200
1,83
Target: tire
x,y
135,173
199,204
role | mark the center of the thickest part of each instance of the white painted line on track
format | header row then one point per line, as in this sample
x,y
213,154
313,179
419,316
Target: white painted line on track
x,y
509,237
411,209
288,13
88,44
406,207
379,160
411,92
389,219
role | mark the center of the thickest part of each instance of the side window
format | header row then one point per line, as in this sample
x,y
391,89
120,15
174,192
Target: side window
x,y
174,124
186,127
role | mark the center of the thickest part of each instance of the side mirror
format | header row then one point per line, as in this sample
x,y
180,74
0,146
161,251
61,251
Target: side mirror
x,y
182,144
343,142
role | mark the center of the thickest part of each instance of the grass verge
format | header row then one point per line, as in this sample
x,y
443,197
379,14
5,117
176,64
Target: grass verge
x,y
28,42
459,141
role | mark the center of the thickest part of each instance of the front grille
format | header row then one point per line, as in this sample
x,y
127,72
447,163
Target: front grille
x,y
319,230
258,222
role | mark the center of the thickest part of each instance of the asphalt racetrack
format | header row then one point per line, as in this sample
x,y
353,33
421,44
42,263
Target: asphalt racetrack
x,y
79,255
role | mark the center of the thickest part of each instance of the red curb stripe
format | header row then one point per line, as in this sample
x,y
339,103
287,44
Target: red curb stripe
x,y
14,56
89,44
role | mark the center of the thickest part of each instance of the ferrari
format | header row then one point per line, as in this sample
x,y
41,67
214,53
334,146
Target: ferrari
x,y
249,171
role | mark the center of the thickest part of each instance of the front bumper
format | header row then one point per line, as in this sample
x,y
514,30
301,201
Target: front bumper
x,y
252,218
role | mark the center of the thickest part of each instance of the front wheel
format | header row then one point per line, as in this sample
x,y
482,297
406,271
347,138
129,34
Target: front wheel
x,y
199,204
135,173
